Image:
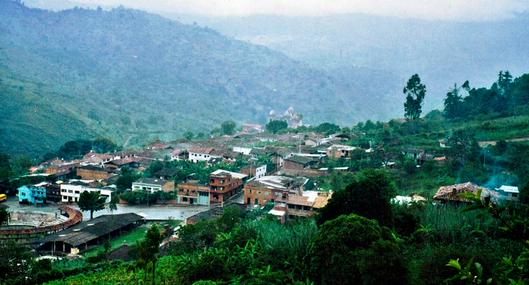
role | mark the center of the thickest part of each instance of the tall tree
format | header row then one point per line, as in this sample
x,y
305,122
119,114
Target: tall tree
x,y
149,249
91,201
415,92
453,103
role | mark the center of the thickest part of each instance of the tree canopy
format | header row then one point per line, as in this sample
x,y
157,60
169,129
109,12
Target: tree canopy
x,y
91,201
228,127
275,126
369,196
351,248
415,92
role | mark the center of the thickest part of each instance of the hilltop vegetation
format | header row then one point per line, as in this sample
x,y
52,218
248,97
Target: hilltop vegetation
x,y
133,76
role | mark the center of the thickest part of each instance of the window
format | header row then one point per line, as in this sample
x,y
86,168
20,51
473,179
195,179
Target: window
x,y
184,199
256,201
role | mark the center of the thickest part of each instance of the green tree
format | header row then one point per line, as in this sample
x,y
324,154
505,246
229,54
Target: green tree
x,y
103,145
415,92
328,128
126,178
113,205
4,215
149,249
20,165
91,201
275,126
355,250
463,147
369,196
15,261
188,135
5,167
453,103
228,127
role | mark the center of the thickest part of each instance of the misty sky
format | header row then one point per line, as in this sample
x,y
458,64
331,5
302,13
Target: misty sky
x,y
460,10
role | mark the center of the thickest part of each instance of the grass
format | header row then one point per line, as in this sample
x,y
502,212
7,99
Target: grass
x,y
129,238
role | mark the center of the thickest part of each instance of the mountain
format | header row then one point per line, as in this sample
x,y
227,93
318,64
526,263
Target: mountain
x,y
442,52
134,76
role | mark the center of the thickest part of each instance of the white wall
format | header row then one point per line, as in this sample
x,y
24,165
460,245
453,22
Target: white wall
x,y
71,192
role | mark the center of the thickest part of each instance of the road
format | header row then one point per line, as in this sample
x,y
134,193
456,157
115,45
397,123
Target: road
x,y
156,212
493,143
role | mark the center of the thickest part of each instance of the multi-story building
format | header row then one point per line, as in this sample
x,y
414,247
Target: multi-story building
x,y
224,184
193,193
71,192
32,195
287,194
153,185
254,171
261,191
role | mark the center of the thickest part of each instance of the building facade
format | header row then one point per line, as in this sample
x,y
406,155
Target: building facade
x,y
70,193
91,172
153,185
192,193
224,184
32,195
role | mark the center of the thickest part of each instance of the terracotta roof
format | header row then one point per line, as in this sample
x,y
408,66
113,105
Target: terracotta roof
x,y
453,192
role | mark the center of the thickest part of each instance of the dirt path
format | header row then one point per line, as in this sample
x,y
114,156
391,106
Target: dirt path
x,y
487,143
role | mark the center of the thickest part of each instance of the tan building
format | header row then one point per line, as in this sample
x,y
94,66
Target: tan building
x,y
193,193
91,172
340,151
224,184
267,189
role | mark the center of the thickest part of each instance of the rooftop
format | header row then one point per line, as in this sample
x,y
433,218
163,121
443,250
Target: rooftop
x,y
155,181
93,229
237,175
508,189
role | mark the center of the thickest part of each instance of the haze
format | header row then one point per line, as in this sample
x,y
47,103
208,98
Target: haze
x,y
472,10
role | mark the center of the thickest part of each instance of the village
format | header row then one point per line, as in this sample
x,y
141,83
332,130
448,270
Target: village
x,y
287,175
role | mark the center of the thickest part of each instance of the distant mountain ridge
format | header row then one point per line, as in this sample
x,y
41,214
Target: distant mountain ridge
x,y
442,52
134,76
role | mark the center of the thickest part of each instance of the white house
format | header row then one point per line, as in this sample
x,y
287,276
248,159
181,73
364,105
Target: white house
x,y
243,150
71,192
197,154
153,185
506,194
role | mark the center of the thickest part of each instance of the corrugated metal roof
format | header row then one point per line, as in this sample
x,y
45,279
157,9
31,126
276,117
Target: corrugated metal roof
x,y
93,229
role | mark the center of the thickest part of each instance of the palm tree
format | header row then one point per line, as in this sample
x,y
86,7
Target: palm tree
x,y
91,201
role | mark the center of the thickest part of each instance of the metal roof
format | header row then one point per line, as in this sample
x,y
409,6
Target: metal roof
x,y
93,229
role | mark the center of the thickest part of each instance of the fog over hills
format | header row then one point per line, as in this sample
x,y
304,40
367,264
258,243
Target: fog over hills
x,y
442,52
135,76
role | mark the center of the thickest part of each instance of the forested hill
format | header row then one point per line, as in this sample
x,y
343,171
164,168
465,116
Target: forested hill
x,y
134,76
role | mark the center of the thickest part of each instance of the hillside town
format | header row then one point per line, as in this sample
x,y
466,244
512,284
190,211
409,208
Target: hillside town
x,y
287,175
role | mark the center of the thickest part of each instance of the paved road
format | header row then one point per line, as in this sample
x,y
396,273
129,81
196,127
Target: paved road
x,y
150,213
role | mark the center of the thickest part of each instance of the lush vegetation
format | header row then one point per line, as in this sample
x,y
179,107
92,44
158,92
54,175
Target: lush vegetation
x,y
183,79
